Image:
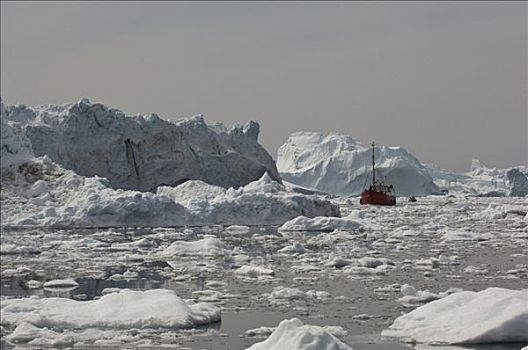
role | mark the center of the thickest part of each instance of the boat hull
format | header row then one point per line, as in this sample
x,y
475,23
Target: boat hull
x,y
377,198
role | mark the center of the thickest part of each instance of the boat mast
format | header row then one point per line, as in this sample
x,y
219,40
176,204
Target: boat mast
x,y
373,168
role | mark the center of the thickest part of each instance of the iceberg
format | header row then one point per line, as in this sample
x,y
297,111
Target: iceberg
x,y
341,165
138,152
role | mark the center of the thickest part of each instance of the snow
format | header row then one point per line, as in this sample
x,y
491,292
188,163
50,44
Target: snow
x,y
42,193
259,202
321,224
494,315
141,152
294,335
341,165
156,308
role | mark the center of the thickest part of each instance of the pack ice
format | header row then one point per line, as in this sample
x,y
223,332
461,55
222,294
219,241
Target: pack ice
x,y
483,181
494,315
142,152
341,165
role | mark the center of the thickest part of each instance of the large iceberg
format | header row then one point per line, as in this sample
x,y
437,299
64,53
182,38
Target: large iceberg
x,y
494,315
341,165
141,152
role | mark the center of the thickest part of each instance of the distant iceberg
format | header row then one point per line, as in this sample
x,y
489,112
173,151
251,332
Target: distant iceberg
x,y
341,165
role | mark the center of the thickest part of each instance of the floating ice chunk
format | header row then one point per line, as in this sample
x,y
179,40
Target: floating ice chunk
x,y
408,290
238,229
156,308
321,224
287,293
294,335
337,331
64,283
494,315
412,297
27,333
209,245
339,262
465,236
261,331
110,290
374,262
295,248
473,270
33,284
254,271
6,248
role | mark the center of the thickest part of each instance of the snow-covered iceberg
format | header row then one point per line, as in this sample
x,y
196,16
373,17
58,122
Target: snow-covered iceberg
x,y
294,335
341,165
141,152
36,191
494,315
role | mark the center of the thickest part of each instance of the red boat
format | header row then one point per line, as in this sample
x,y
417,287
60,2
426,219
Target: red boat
x,y
378,193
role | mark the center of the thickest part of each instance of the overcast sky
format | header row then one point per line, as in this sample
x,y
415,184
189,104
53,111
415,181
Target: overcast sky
x,y
447,81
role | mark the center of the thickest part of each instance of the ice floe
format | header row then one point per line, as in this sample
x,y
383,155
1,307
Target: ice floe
x,y
157,308
294,335
321,224
493,315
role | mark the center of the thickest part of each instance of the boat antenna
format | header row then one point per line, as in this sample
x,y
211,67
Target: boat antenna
x,y
373,168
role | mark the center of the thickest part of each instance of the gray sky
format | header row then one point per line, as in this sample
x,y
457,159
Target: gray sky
x,y
448,81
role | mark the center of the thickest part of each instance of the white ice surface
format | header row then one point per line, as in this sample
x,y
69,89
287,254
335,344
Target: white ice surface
x,y
341,165
156,308
294,335
44,194
303,223
140,152
494,315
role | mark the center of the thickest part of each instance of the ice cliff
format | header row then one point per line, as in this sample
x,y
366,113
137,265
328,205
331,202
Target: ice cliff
x,y
518,180
141,152
36,191
341,165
